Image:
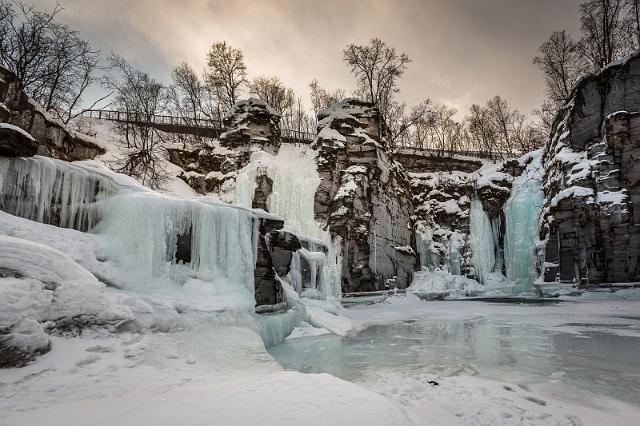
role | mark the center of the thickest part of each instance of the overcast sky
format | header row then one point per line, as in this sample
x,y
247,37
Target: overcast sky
x,y
463,51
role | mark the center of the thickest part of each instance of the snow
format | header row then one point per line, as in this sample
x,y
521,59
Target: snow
x,y
191,378
49,285
16,129
449,206
611,197
304,329
573,191
406,250
347,189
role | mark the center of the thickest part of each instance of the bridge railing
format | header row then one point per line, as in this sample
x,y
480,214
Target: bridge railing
x,y
451,153
297,136
133,117
288,135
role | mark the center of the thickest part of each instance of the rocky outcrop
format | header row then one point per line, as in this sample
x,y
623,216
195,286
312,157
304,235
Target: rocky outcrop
x,y
251,122
442,202
590,227
54,138
22,342
364,198
15,142
251,126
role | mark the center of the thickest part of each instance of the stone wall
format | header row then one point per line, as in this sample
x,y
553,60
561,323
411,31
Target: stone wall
x,y
53,137
590,226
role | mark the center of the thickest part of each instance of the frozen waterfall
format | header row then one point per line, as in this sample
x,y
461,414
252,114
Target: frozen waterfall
x,y
48,191
521,212
294,182
483,240
138,228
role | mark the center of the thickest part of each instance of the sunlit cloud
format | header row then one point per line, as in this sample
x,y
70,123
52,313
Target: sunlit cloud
x,y
463,51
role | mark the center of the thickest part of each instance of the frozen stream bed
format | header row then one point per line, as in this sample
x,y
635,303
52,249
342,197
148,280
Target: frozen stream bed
x,y
574,362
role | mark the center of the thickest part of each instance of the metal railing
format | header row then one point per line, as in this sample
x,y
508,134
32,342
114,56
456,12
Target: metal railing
x,y
288,135
169,120
451,153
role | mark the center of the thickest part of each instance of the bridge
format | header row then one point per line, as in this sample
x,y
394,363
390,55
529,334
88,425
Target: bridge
x,y
199,126
213,128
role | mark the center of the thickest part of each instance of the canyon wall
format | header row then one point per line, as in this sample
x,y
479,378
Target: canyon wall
x,y
590,227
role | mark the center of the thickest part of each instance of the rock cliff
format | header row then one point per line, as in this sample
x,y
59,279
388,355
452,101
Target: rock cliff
x,y
590,227
364,198
54,139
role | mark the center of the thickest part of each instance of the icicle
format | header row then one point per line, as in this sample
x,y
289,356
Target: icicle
x,y
521,211
295,179
295,275
482,242
52,192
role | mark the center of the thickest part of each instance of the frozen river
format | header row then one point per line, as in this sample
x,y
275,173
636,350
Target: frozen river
x,y
575,352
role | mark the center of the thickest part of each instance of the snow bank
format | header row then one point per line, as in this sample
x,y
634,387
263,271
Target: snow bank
x,y
44,284
433,285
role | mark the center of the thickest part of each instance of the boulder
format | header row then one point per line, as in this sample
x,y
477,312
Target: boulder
x,y
15,142
22,343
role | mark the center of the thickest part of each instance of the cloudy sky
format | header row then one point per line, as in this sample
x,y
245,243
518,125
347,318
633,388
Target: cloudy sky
x,y
463,51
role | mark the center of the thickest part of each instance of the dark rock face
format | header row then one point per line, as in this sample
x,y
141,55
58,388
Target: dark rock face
x,y
364,196
268,289
275,252
591,219
264,185
53,138
14,143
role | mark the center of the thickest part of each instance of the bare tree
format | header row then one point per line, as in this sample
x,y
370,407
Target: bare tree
x,y
601,23
274,92
444,132
138,97
377,68
632,23
400,123
481,130
55,65
322,98
227,73
186,93
562,65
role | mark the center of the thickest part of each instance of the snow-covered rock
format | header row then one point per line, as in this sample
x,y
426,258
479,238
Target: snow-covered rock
x,y
364,197
15,142
54,138
589,228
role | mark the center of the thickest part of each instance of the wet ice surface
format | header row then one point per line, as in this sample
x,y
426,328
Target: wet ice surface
x,y
554,356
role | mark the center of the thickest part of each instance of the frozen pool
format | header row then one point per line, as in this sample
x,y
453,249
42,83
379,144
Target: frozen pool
x,y
579,346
